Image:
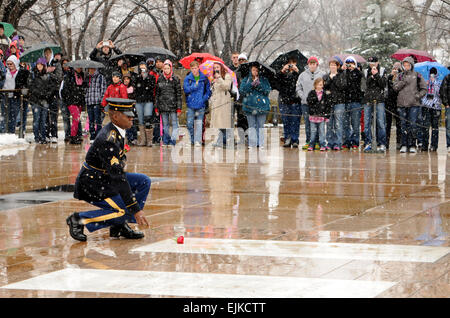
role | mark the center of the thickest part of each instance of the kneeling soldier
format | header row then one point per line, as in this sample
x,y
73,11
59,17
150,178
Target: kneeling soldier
x,y
103,182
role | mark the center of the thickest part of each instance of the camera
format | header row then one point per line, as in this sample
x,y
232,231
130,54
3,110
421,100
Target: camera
x,y
348,65
216,72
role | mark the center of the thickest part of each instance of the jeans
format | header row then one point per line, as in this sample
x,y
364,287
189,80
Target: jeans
x,y
40,112
52,118
408,119
381,124
12,104
167,139
447,125
256,129
66,118
318,133
195,124
335,126
389,118
304,112
430,117
352,122
290,114
23,121
144,110
140,185
95,120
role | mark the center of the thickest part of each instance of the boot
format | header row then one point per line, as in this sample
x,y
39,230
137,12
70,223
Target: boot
x,y
142,141
149,135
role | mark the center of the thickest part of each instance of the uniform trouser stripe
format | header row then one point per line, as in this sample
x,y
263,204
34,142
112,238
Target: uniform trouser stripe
x,y
120,213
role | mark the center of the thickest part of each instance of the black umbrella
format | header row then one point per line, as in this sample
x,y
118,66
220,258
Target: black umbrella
x,y
264,70
154,52
283,59
132,58
84,64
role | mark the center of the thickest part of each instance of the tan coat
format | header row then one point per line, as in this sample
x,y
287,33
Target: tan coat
x,y
220,103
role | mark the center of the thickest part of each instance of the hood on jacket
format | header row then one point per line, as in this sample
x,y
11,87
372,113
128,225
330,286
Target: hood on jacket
x,y
15,60
410,60
168,62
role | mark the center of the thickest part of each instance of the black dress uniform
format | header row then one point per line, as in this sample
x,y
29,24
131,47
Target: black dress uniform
x,y
103,182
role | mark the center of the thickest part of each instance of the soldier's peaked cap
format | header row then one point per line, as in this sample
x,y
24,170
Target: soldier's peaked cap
x,y
122,105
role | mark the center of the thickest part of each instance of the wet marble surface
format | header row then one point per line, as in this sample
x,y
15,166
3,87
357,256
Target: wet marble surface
x,y
370,202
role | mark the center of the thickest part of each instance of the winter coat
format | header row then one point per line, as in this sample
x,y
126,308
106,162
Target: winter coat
x,y
145,89
220,103
168,94
411,87
255,97
305,83
118,90
98,56
444,92
392,95
353,93
287,84
335,87
42,86
20,80
374,86
318,108
197,94
72,93
432,99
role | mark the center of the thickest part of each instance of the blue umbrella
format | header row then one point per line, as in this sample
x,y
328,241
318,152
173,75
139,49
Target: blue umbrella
x,y
425,67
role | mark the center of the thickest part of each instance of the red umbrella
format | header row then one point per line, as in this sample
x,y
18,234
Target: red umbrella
x,y
420,56
201,57
357,57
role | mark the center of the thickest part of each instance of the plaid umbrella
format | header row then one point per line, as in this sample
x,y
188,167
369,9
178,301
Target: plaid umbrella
x,y
202,57
207,68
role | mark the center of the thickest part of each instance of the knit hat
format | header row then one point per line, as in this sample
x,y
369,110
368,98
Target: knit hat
x,y
313,59
242,56
118,74
42,61
150,60
351,59
336,59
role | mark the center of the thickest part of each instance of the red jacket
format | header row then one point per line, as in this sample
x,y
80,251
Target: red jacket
x,y
115,91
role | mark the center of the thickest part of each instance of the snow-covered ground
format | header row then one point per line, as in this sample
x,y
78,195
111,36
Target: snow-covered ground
x,y
10,144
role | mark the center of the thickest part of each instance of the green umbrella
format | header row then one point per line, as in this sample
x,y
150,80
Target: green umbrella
x,y
9,29
36,51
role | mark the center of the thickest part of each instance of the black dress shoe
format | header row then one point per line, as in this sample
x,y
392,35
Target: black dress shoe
x,y
114,231
76,228
125,231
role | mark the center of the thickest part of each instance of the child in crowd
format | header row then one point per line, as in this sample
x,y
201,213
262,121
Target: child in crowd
x,y
319,113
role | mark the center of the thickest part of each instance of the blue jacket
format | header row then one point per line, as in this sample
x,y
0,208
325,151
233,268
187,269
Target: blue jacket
x,y
255,97
196,94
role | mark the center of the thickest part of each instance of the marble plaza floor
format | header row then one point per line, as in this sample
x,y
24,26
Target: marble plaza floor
x,y
271,223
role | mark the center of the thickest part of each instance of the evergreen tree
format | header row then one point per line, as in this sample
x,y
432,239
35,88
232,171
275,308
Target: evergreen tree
x,y
382,38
